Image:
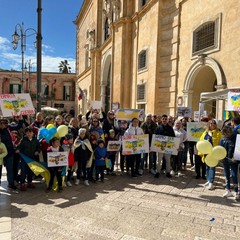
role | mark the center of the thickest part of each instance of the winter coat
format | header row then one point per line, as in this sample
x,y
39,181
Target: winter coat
x,y
229,145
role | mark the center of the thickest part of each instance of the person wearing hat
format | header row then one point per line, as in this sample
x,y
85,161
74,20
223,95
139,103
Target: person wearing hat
x,y
8,160
29,146
83,155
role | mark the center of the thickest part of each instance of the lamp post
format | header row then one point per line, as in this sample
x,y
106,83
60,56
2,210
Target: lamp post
x,y
28,68
16,37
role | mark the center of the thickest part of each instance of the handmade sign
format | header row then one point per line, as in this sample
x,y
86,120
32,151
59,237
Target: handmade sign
x,y
129,114
57,159
134,144
234,100
184,111
165,144
96,104
16,104
195,130
113,146
236,154
196,115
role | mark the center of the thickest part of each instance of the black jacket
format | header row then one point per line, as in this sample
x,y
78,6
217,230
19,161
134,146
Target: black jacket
x,y
166,130
229,145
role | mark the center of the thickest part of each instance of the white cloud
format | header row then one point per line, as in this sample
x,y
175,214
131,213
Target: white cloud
x,y
11,60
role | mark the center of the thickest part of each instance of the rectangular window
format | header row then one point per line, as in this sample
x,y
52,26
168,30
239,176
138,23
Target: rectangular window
x,y
142,60
15,88
66,93
141,92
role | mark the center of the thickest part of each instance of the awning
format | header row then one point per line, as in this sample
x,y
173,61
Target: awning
x,y
217,95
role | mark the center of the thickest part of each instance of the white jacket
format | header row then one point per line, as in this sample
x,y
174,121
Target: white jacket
x,y
133,131
182,134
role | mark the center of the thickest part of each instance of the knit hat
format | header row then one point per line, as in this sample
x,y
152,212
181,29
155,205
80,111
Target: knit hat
x,y
81,130
100,140
111,131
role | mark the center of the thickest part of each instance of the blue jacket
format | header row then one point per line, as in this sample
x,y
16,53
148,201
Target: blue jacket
x,y
229,145
100,153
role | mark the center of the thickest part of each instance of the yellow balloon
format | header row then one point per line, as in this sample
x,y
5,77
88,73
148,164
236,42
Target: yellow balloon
x,y
62,130
50,125
219,152
211,161
204,147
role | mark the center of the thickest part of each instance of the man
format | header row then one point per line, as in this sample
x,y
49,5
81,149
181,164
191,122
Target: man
x,y
8,160
166,130
149,127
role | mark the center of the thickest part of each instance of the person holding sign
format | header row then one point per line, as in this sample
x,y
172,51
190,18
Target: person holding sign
x,y
230,165
213,135
166,130
135,159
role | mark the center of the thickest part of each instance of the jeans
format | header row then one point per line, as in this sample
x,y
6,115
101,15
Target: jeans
x,y
231,168
177,162
134,162
184,153
8,162
210,172
167,157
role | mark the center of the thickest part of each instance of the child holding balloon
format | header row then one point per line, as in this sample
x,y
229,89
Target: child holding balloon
x,y
230,165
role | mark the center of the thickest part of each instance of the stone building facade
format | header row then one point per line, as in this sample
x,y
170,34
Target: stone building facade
x,y
58,90
157,54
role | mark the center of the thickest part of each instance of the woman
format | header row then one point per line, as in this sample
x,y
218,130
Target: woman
x,y
213,135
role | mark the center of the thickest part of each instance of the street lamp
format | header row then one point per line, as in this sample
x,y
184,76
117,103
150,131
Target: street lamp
x,y
28,68
16,37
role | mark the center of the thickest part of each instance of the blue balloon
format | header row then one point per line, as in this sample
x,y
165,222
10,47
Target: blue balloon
x,y
43,132
52,131
48,138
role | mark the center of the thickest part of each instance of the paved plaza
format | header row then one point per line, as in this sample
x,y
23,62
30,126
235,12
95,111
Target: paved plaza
x,y
122,208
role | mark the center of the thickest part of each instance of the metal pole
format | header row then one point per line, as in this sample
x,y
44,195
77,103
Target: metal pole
x,y
22,50
39,57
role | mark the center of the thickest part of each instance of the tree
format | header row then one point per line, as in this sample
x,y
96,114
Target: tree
x,y
64,67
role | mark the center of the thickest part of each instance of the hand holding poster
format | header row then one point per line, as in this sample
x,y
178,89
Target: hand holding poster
x,y
184,111
165,144
57,159
16,104
114,146
195,130
134,144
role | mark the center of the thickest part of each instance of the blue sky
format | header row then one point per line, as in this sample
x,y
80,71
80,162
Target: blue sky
x,y
58,32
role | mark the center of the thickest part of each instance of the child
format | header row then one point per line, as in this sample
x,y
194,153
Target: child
x,y
30,147
83,154
68,147
3,153
229,164
111,155
55,171
100,156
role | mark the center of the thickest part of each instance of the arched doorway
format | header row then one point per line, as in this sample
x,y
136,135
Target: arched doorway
x,y
106,82
205,75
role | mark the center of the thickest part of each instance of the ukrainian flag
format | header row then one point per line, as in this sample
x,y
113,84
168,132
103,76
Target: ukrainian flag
x,y
37,168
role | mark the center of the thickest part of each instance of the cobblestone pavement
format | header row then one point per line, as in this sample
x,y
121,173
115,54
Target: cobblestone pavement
x,y
122,208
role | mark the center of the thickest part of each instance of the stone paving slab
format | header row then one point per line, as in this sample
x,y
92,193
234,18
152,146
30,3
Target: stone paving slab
x,y
122,208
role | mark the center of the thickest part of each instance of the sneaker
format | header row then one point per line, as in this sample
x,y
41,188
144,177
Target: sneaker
x,y
140,171
227,194
236,196
86,183
179,174
60,189
172,173
122,173
77,182
210,186
64,184
206,184
23,187
69,184
152,171
13,187
31,185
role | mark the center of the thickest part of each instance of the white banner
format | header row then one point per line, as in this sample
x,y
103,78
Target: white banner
x,y
57,159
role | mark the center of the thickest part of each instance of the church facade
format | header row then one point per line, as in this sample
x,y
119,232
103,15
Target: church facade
x,y
157,55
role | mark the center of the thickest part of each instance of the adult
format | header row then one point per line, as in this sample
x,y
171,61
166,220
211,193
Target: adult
x,y
235,123
149,127
135,159
109,123
74,127
8,160
213,135
166,130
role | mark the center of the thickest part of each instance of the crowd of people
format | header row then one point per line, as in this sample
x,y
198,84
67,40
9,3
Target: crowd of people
x,y
88,158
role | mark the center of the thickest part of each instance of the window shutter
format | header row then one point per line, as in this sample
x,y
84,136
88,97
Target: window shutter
x,y
141,92
142,60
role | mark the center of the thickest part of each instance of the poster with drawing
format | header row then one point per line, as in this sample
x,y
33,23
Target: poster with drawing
x,y
195,130
134,144
16,104
184,111
129,114
57,159
234,100
114,146
165,144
